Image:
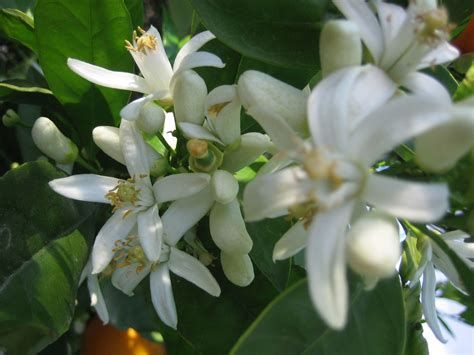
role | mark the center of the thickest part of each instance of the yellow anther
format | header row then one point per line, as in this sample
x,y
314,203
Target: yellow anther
x,y
436,26
143,41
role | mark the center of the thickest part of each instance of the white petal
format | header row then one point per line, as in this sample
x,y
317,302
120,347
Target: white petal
x,y
184,213
189,94
359,12
280,132
191,130
168,129
108,78
278,162
398,121
192,46
128,277
162,295
225,186
150,232
439,149
416,201
134,150
131,111
154,64
291,243
199,59
192,270
391,19
326,265
116,228
174,187
426,257
328,109
428,302
425,85
237,268
252,145
455,235
85,187
97,299
271,195
444,53
228,230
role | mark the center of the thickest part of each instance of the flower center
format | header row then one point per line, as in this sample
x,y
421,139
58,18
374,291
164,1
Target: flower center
x,y
436,26
143,42
129,252
122,194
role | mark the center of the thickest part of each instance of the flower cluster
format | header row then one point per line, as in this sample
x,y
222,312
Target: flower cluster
x,y
321,146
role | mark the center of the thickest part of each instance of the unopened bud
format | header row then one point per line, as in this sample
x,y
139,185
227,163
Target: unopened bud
x,y
108,140
224,186
373,246
257,89
237,268
159,168
151,118
252,145
228,229
340,46
189,95
10,118
223,113
51,142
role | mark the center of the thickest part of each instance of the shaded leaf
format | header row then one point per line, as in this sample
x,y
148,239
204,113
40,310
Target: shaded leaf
x,y
18,26
43,254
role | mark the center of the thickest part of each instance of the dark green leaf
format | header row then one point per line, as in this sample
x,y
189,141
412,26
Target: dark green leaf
x,y
18,26
42,256
290,325
92,31
443,75
22,5
135,8
458,9
283,33
264,235
22,92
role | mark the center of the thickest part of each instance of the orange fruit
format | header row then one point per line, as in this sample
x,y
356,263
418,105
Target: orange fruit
x,y
102,339
465,41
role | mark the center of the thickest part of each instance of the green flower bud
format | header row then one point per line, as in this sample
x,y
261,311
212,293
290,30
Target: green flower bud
x,y
10,118
237,268
189,95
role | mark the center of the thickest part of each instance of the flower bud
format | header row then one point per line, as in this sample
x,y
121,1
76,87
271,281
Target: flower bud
x,y
252,145
373,246
237,268
223,113
340,46
151,118
52,142
189,95
108,140
10,118
261,90
224,186
439,149
228,230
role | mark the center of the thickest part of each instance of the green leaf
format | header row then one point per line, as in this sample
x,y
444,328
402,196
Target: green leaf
x,y
283,33
43,254
22,92
443,75
135,8
22,5
458,9
466,88
264,235
18,26
290,325
416,344
92,31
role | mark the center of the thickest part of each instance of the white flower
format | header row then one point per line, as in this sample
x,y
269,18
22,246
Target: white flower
x,y
333,174
134,200
434,256
132,266
403,41
149,54
97,299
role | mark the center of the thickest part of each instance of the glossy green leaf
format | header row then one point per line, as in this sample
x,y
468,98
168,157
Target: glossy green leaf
x,y
92,31
283,33
22,5
135,8
43,254
458,9
264,235
290,325
18,26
